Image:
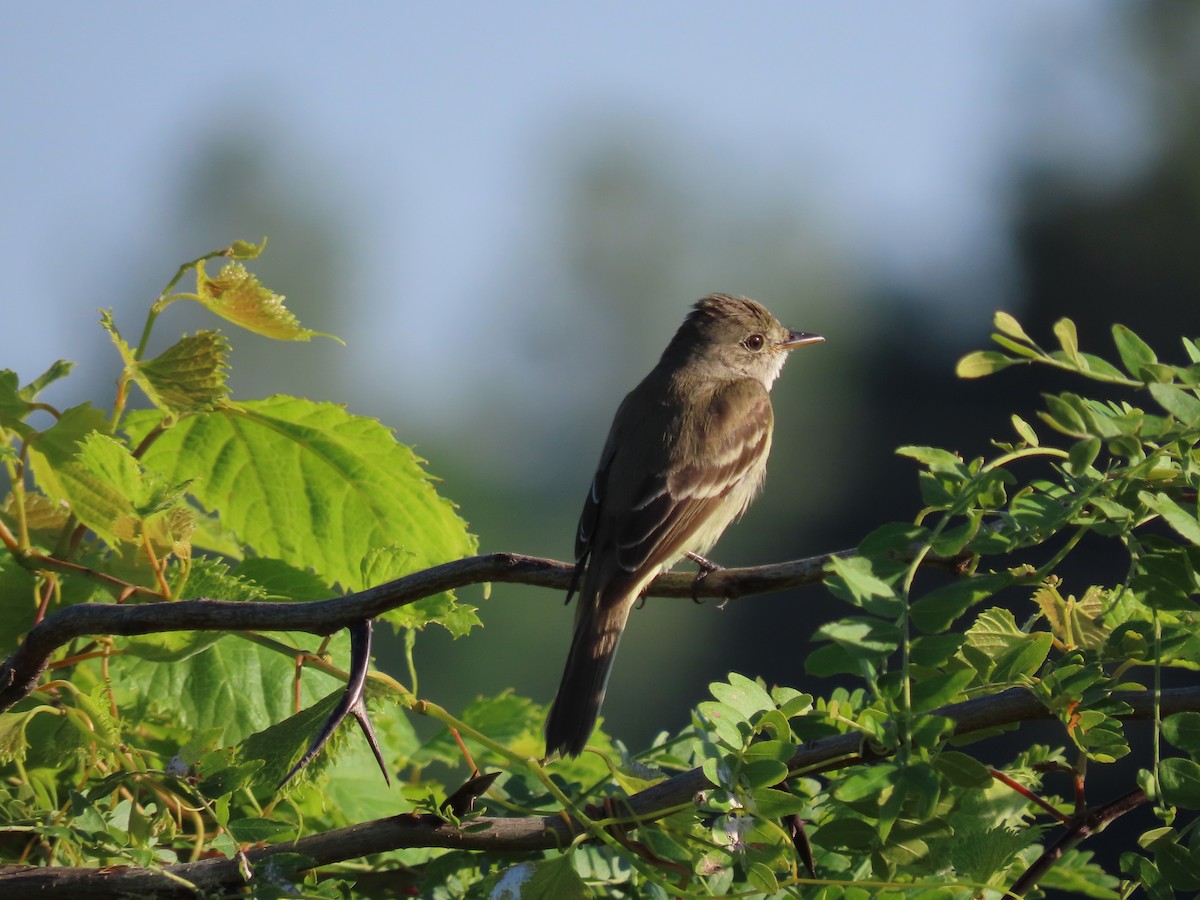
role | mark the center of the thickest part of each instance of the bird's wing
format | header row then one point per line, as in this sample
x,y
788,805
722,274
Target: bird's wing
x,y
671,511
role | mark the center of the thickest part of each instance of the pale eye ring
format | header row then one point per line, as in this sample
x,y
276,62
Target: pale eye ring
x,y
754,343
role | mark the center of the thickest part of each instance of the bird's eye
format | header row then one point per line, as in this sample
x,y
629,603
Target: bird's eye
x,y
754,343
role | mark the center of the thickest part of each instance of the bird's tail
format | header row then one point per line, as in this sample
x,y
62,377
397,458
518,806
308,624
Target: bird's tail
x,y
577,704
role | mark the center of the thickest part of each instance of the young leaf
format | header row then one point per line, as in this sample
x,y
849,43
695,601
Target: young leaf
x,y
1010,326
1025,430
309,484
1064,330
237,296
187,377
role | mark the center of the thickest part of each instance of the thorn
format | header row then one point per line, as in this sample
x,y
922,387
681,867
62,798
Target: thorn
x,y
351,703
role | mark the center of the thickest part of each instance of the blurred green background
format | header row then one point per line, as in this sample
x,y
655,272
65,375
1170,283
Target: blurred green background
x,y
506,210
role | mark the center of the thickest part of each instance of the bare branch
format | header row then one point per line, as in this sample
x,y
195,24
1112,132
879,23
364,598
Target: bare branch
x,y
19,674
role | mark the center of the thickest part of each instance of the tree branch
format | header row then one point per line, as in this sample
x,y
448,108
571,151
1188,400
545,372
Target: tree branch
x,y
19,674
534,833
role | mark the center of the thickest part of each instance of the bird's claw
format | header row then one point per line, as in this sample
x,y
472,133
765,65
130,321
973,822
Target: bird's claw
x,y
705,568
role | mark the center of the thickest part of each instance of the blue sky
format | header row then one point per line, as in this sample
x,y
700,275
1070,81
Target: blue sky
x,y
428,123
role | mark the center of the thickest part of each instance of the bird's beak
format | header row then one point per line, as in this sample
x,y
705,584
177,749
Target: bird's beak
x,y
796,339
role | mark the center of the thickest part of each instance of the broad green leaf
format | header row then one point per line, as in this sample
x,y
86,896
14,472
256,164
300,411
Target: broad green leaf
x,y
1178,865
237,296
1134,352
1183,731
188,376
102,484
744,695
234,682
1180,519
1183,405
1179,781
936,610
309,484
1009,325
983,362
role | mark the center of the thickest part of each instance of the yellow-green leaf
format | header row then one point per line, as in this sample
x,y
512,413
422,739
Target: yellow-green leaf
x,y
1010,326
237,296
983,362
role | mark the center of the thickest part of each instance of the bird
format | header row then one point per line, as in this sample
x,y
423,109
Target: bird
x,y
685,455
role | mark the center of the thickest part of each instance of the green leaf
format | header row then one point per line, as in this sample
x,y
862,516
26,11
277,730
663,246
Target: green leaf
x,y
1134,352
1180,519
1178,865
249,831
935,459
235,683
983,362
1183,405
1183,731
188,376
1179,781
856,581
1008,325
861,633
1064,330
553,879
1082,455
724,721
102,483
846,833
1023,661
1025,430
772,803
935,611
867,784
360,490
744,695
962,770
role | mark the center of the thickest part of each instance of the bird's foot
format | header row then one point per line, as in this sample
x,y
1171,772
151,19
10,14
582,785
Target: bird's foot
x,y
706,567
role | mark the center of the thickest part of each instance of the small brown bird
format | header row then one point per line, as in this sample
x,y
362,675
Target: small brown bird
x,y
686,453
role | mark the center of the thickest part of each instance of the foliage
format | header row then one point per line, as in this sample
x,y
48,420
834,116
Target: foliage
x,y
164,747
